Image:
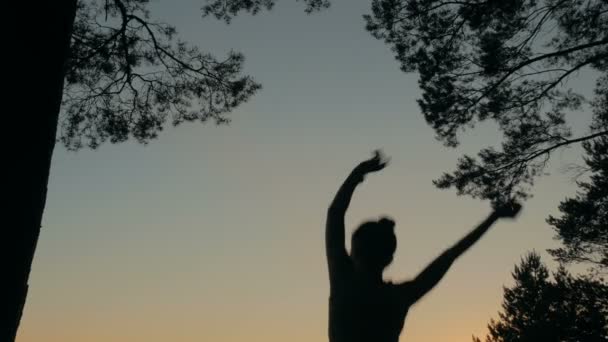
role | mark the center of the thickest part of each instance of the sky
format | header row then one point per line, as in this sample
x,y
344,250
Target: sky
x,y
216,233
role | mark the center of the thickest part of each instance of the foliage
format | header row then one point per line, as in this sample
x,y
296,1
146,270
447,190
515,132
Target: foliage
x,y
536,308
127,74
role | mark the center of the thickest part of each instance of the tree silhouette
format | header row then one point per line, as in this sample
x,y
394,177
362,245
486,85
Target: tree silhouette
x,y
98,70
583,226
510,62
125,79
536,308
228,9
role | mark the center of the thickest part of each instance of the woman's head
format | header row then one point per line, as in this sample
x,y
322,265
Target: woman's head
x,y
373,244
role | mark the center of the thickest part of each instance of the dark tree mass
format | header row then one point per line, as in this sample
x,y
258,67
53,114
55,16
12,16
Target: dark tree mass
x,y
510,61
507,61
537,308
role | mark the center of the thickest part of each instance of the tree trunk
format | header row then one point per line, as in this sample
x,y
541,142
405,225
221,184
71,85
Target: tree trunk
x,y
36,81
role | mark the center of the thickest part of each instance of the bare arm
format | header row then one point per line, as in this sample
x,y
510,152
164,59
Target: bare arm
x,y
334,229
434,272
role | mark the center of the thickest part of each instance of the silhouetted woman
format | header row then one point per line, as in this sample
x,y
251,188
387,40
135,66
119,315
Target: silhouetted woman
x,y
363,307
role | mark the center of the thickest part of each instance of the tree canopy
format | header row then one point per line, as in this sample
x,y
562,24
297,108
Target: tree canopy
x,y
127,74
510,61
507,61
536,308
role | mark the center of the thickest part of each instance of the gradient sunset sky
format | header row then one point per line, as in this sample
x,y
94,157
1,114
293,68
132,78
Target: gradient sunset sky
x,y
216,233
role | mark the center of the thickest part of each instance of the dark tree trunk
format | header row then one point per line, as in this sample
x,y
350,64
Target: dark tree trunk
x,y
43,36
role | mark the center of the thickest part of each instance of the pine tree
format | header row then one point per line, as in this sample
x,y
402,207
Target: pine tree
x,y
538,308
